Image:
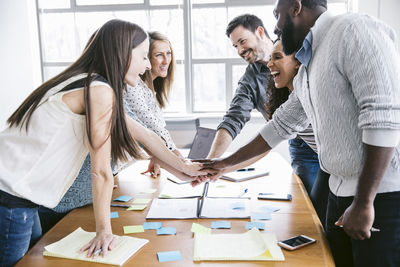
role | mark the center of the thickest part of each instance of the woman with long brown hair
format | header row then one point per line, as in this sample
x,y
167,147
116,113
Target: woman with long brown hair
x,y
143,102
78,111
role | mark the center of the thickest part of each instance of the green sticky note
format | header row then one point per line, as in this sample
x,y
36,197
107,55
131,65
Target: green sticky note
x,y
141,201
198,228
148,191
132,229
137,207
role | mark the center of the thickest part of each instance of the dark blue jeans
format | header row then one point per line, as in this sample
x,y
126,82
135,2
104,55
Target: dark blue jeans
x,y
382,249
19,228
319,195
304,162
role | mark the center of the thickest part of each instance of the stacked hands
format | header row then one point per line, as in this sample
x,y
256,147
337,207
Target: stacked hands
x,y
196,171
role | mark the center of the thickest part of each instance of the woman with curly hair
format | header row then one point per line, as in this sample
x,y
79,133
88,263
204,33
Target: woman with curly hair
x,y
283,70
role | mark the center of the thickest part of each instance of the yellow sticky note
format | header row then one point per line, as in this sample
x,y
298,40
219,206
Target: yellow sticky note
x,y
137,207
148,190
141,201
132,229
198,228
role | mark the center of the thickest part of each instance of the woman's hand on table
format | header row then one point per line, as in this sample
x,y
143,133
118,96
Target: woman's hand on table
x,y
153,169
100,244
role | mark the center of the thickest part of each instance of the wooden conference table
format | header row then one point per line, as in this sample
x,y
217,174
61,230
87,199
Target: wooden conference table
x,y
295,217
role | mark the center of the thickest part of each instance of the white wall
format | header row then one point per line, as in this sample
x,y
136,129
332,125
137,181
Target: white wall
x,y
19,52
385,10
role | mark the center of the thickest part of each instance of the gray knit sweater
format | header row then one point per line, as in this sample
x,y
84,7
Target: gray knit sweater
x,y
353,97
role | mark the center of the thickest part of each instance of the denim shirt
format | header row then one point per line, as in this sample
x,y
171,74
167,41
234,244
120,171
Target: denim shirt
x,y
250,94
80,192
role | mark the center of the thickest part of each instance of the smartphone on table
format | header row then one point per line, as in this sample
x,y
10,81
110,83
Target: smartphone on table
x,y
275,196
296,242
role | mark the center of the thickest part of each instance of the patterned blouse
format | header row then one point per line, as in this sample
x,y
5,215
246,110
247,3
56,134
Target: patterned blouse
x,y
142,102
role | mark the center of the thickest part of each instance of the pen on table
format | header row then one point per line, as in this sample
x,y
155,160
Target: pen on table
x,y
373,229
97,252
244,192
246,169
119,205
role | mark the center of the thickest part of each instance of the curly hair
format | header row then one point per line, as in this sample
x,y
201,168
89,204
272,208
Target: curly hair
x,y
275,96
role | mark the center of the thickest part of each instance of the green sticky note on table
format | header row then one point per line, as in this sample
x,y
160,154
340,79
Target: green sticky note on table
x,y
198,228
137,207
141,201
149,190
132,229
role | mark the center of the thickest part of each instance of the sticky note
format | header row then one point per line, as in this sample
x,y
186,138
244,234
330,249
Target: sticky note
x,y
114,214
198,228
238,206
261,216
166,231
169,256
269,209
148,191
137,207
221,224
123,198
258,225
152,225
132,229
141,201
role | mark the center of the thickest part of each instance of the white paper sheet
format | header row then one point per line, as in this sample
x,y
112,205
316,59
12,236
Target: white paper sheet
x,y
173,208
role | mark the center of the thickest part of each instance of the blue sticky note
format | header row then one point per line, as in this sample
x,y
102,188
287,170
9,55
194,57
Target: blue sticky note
x,y
258,225
169,256
152,225
221,224
269,209
166,231
114,214
238,206
261,216
123,198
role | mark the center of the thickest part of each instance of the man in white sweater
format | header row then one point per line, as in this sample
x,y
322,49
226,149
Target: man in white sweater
x,y
348,87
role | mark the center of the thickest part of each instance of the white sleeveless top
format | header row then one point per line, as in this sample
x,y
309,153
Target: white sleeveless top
x,y
42,163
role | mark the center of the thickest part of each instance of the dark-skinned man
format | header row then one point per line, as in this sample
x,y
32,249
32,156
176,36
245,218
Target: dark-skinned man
x,y
348,87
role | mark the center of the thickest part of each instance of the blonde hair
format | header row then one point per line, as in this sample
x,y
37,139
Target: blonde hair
x,y
161,86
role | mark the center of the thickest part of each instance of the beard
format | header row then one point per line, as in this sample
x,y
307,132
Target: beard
x,y
290,43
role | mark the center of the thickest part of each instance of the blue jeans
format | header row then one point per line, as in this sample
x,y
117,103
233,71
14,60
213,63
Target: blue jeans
x,y
19,228
304,162
382,249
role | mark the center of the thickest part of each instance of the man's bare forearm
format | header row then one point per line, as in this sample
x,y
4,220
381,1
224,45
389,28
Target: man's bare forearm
x,y
256,147
220,144
377,160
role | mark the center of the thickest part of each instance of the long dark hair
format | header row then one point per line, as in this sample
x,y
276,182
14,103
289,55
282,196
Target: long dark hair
x,y
161,86
275,96
107,53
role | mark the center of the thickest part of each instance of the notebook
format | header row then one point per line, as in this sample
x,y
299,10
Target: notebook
x,y
69,247
202,143
244,174
249,246
199,207
174,190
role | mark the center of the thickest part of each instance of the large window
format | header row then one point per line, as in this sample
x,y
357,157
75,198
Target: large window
x,y
208,67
